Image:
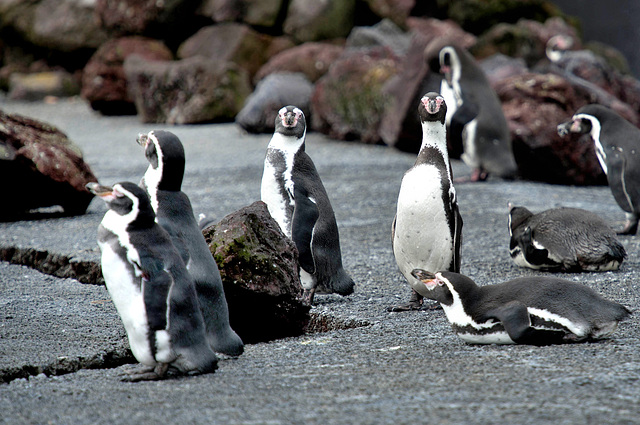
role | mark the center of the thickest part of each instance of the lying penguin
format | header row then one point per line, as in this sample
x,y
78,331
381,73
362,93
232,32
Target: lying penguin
x,y
529,310
564,239
150,287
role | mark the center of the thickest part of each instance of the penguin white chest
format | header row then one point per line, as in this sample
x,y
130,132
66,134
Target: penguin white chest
x,y
276,191
129,303
422,236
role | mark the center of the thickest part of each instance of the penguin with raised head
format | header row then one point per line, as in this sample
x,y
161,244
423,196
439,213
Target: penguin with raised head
x,y
564,239
150,287
297,200
529,310
476,117
617,146
163,183
427,228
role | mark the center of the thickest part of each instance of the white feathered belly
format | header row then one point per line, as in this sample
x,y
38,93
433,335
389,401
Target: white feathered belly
x,y
129,302
422,236
277,204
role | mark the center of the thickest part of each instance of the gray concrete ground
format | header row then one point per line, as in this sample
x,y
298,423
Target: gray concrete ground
x,y
401,368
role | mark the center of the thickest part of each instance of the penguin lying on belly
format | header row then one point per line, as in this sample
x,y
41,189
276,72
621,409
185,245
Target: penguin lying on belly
x,y
566,239
150,287
529,310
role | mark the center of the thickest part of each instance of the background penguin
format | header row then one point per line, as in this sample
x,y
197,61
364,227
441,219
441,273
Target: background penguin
x,y
617,145
427,228
298,202
150,287
476,117
567,239
529,310
163,182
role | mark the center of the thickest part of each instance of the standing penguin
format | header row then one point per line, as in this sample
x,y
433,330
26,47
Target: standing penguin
x,y
617,146
163,183
298,202
567,239
476,118
529,310
427,228
150,287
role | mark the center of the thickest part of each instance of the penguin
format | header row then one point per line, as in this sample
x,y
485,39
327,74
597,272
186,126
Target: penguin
x,y
163,183
297,200
150,287
564,239
427,228
476,117
528,310
617,146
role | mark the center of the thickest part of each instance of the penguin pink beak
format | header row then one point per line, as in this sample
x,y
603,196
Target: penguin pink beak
x,y
289,119
429,279
432,105
142,139
104,192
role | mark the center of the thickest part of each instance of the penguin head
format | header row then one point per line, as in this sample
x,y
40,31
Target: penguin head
x,y
128,201
443,287
165,154
291,122
557,46
432,108
450,66
517,216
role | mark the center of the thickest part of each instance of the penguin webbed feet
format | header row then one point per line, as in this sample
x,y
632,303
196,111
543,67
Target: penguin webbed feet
x,y
416,303
308,295
147,373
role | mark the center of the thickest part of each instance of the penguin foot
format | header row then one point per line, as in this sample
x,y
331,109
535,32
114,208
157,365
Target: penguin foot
x,y
155,373
416,302
307,296
630,228
477,175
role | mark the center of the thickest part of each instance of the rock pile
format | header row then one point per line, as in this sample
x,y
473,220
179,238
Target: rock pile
x,y
359,65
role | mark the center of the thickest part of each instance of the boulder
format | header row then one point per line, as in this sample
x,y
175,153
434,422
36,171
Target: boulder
x,y
499,67
312,59
233,42
41,168
261,13
384,33
397,11
534,104
40,85
433,28
193,90
272,93
348,101
313,20
58,25
259,269
104,83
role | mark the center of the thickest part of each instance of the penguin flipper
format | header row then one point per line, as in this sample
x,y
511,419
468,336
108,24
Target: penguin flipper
x,y
457,237
155,292
533,252
466,113
517,323
305,216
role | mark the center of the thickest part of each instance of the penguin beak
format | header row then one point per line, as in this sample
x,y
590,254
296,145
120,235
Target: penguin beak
x,y
142,139
429,279
289,119
564,128
97,189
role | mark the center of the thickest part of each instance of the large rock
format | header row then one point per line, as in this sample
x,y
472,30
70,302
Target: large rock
x,y
262,13
272,93
41,168
233,42
433,28
348,101
384,33
397,11
59,25
40,85
312,59
259,270
534,104
314,20
104,83
193,90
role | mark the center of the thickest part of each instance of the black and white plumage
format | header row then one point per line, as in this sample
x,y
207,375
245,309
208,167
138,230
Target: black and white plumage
x,y
617,146
427,228
564,239
297,200
150,287
163,183
475,117
529,310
